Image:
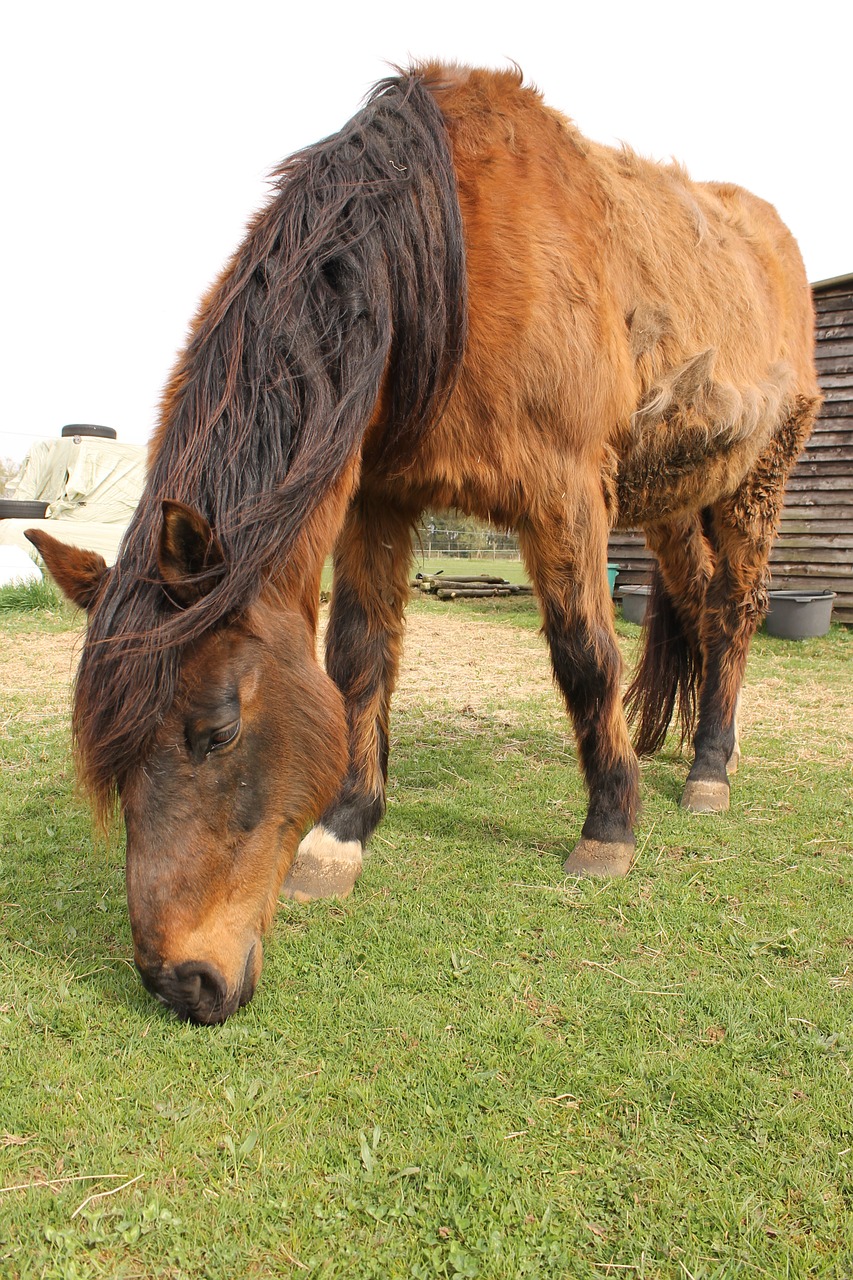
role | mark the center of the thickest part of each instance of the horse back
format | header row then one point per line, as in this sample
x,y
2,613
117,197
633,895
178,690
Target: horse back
x,y
614,304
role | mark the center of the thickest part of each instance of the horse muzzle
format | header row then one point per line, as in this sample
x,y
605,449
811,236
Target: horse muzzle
x,y
197,991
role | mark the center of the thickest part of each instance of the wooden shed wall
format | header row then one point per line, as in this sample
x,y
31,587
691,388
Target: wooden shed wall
x,y
814,549
815,544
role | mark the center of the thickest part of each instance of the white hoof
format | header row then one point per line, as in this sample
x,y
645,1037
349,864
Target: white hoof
x,y
324,867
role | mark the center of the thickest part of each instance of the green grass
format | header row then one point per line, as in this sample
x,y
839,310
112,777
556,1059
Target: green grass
x,y
25,597
511,570
473,1067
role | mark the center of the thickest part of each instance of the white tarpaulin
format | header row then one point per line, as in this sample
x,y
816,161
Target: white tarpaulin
x,y
92,486
16,567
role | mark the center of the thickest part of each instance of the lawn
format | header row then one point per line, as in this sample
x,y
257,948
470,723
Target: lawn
x,y
474,1067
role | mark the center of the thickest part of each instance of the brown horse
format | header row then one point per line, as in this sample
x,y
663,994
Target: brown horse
x,y
457,301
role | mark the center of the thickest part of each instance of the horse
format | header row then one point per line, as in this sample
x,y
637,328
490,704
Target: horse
x,y
457,301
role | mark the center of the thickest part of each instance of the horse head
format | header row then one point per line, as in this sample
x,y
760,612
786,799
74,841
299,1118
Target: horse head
x,y
250,750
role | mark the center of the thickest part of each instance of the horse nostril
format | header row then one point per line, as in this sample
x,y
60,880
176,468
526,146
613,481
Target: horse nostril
x,y
198,991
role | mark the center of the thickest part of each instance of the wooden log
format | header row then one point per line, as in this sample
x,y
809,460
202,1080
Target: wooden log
x,y
473,579
472,593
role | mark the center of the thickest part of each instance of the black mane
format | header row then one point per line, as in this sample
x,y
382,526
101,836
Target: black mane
x,y
355,266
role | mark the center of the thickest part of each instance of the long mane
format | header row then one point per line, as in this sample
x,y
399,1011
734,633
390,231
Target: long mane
x,y
354,270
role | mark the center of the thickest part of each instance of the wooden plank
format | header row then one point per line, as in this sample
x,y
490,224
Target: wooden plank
x,y
829,365
833,489
829,410
632,579
828,420
789,561
827,455
825,319
841,575
799,547
830,381
810,470
634,574
805,510
831,432
833,394
833,333
635,570
808,527
840,485
628,537
831,301
811,582
798,507
795,541
834,347
831,429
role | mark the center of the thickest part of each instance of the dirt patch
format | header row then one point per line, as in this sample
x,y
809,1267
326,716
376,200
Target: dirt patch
x,y
457,662
471,665
813,717
36,673
448,661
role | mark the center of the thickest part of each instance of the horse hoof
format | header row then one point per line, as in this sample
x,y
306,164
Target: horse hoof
x,y
599,858
324,867
706,797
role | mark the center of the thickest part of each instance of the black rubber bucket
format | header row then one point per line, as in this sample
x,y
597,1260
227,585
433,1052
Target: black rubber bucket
x,y
799,615
634,602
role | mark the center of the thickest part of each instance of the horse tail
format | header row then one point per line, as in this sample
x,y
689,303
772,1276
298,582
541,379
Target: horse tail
x,y
667,675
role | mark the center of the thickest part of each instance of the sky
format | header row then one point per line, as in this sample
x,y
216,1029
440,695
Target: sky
x,y
138,139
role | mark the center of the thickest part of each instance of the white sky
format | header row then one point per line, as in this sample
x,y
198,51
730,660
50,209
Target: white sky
x,y
137,139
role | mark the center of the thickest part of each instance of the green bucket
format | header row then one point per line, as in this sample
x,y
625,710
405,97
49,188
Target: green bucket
x,y
612,570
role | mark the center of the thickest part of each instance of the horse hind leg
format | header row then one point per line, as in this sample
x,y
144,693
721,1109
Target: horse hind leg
x,y
743,527
668,675
735,604
363,644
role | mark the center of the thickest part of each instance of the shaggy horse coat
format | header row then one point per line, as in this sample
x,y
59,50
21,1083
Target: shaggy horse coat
x,y
457,301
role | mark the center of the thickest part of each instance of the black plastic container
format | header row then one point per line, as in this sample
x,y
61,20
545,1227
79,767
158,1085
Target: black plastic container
x,y
799,615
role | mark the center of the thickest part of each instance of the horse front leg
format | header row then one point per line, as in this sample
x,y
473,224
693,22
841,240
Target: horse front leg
x,y
566,554
363,643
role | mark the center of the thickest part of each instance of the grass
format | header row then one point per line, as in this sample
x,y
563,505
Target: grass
x,y
473,1067
24,597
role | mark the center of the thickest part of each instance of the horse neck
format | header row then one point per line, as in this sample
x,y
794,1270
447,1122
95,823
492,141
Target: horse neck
x,y
296,584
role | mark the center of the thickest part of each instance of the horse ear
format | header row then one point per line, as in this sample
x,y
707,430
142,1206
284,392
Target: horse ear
x,y
77,573
189,557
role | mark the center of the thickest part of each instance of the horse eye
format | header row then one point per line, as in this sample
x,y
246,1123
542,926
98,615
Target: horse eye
x,y
223,737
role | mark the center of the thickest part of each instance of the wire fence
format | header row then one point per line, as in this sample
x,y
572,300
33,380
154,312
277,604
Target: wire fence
x,y
466,544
